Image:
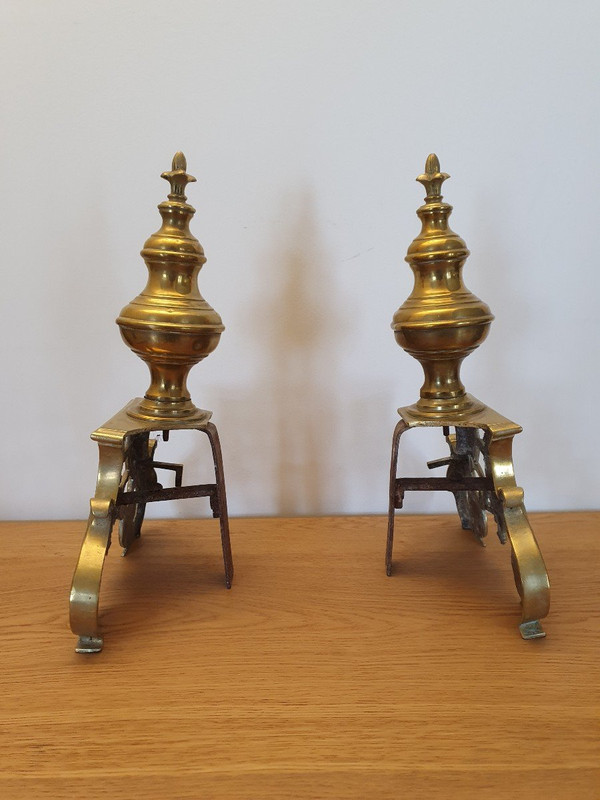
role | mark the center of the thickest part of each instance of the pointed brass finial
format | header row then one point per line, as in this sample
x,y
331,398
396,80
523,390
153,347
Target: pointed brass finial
x,y
432,179
178,177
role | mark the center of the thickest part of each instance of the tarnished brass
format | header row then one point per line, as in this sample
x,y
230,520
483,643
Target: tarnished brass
x,y
171,327
440,323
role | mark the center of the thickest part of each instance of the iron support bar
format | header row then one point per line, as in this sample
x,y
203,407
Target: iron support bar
x,y
175,493
466,484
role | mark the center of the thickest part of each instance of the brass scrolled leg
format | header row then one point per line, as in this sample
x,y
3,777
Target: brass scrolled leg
x,y
85,589
528,565
219,507
398,431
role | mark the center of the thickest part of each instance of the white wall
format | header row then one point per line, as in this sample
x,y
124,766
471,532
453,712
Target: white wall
x,y
305,124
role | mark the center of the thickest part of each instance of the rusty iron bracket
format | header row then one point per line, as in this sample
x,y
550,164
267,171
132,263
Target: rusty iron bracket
x,y
175,493
176,468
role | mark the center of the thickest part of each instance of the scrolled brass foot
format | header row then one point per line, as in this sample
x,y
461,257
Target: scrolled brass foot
x,y
531,577
532,630
89,644
85,589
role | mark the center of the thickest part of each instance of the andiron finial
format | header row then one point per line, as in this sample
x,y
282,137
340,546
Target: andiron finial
x,y
432,179
178,177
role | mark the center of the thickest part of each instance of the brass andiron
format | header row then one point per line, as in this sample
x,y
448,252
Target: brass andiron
x,y
440,323
171,327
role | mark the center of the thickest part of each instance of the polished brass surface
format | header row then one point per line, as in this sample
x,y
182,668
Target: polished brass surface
x,y
171,327
441,323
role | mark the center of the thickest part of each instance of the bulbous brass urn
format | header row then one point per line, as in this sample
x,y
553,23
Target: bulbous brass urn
x,y
441,322
170,325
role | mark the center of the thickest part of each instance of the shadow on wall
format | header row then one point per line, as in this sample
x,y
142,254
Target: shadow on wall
x,y
491,373
522,375
300,331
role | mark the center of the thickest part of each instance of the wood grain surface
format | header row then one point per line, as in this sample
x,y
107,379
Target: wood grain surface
x,y
316,676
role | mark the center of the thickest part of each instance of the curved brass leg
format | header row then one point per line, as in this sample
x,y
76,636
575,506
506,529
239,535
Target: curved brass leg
x,y
398,431
528,565
85,588
219,506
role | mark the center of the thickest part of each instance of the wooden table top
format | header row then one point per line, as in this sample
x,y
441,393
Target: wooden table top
x,y
316,676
